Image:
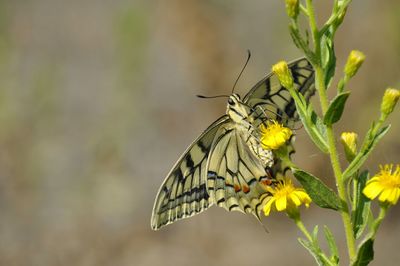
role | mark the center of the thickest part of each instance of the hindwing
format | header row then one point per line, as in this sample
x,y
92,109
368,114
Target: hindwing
x,y
226,164
235,174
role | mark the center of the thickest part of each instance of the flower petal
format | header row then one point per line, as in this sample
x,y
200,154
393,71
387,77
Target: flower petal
x,y
372,190
281,203
393,196
385,195
295,199
396,197
285,197
303,196
267,206
274,135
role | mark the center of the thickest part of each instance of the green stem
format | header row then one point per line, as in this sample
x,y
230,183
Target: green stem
x,y
320,85
333,20
320,77
303,9
307,234
321,88
355,191
378,221
303,229
342,194
299,41
313,27
378,125
342,84
335,6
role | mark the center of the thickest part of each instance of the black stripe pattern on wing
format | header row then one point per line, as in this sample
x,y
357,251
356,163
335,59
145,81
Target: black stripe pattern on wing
x,y
270,98
234,173
184,192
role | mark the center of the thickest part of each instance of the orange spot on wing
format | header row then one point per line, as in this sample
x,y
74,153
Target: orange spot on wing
x,y
246,189
266,182
237,187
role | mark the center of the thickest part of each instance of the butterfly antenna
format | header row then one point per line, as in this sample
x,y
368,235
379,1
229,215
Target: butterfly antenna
x,y
212,97
247,61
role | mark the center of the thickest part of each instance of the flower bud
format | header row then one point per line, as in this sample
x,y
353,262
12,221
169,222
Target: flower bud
x,y
292,8
389,100
354,62
281,69
349,141
340,15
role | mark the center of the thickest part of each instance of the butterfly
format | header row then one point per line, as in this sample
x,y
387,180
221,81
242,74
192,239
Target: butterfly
x,y
226,165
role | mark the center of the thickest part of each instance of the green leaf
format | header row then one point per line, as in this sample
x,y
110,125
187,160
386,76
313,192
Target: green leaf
x,y
368,146
332,245
300,43
316,130
321,194
294,33
315,234
341,84
295,36
328,56
365,253
312,124
335,110
317,122
361,214
313,251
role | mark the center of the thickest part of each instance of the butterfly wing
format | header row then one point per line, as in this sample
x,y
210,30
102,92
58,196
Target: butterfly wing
x,y
269,100
235,174
219,166
184,192
269,97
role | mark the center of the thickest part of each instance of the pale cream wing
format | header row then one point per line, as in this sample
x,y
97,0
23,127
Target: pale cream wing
x,y
184,192
269,97
235,174
269,100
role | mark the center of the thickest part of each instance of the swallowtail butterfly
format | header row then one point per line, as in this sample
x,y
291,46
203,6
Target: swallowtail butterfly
x,y
226,165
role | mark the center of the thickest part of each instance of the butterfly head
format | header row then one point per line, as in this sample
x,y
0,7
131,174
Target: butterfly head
x,y
236,110
233,99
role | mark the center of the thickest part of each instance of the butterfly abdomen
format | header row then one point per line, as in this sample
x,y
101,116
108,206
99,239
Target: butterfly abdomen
x,y
266,157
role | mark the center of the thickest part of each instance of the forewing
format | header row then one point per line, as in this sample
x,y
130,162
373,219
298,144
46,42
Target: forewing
x,y
235,175
184,192
269,100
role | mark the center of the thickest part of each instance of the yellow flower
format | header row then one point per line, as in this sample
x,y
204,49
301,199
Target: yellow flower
x,y
349,141
292,8
281,69
274,135
385,184
354,62
286,197
389,100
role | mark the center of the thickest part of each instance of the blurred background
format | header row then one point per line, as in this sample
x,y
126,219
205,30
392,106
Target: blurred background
x,y
97,102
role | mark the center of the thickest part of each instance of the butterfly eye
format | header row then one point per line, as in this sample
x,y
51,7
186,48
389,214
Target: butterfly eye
x,y
231,102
